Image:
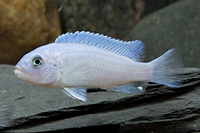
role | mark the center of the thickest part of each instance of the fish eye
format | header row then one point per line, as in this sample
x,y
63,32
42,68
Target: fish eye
x,y
37,61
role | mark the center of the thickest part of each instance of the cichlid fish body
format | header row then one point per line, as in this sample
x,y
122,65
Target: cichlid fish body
x,y
80,60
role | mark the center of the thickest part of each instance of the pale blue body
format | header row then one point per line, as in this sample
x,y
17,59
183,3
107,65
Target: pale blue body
x,y
83,60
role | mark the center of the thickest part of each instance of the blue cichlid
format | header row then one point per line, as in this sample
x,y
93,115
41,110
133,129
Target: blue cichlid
x,y
80,60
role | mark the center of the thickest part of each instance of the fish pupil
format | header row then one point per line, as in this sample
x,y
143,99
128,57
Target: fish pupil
x,y
37,61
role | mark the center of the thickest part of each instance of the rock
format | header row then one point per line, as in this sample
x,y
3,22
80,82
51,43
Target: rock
x,y
154,5
113,18
160,109
174,26
102,16
26,25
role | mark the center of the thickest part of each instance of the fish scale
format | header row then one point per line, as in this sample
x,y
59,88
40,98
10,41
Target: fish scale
x,y
113,66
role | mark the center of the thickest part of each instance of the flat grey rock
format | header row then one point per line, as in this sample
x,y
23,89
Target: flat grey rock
x,y
175,26
160,109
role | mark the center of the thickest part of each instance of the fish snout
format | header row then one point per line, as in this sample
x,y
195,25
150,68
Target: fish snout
x,y
19,71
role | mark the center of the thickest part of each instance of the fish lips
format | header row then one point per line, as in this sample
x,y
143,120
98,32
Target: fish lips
x,y
19,71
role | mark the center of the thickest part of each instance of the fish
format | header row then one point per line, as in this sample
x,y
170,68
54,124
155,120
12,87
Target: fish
x,y
81,60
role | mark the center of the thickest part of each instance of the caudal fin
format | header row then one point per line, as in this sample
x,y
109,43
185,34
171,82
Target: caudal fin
x,y
168,69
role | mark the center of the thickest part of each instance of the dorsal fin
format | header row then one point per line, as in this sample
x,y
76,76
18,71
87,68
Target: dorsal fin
x,y
130,49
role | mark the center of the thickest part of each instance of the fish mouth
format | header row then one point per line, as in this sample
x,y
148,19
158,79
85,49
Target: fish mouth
x,y
19,71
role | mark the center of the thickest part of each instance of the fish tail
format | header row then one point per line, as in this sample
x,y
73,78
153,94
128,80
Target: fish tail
x,y
168,69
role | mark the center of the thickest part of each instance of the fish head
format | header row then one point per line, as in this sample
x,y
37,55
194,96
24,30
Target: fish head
x,y
38,67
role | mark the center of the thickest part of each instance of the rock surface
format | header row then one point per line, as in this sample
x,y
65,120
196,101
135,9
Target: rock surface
x,y
174,26
114,18
154,5
160,109
25,25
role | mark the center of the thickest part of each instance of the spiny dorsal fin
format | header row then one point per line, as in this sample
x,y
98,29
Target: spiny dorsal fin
x,y
130,49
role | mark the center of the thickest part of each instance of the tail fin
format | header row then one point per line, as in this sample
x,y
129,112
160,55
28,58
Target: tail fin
x,y
168,69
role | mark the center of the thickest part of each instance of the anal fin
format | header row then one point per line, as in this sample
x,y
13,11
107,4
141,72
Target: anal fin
x,y
76,93
132,88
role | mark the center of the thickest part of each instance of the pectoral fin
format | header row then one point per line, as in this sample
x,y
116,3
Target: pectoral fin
x,y
76,93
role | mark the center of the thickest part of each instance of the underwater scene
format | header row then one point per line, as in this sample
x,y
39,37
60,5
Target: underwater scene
x,y
100,65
